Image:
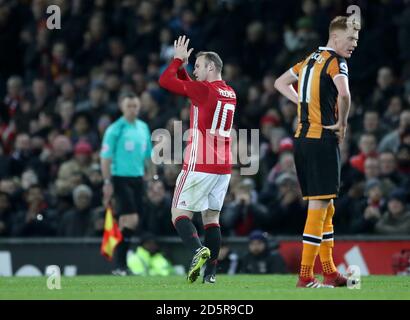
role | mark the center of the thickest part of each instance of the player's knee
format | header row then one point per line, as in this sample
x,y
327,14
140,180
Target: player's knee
x,y
178,213
318,204
210,216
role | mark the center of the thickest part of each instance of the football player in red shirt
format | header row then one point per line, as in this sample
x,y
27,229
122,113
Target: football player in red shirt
x,y
203,182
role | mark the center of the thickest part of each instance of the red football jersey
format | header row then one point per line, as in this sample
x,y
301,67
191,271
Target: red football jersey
x,y
212,111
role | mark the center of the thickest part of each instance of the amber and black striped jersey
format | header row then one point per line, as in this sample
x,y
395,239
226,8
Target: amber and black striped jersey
x,y
317,94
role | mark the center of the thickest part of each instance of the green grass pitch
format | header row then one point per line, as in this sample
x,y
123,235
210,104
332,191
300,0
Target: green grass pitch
x,y
237,287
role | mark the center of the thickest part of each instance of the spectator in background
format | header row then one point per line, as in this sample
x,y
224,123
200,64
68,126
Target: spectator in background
x,y
349,206
10,186
40,96
104,122
286,163
20,158
14,96
60,151
392,140
6,212
372,125
7,131
250,115
36,219
171,172
388,170
156,210
67,93
405,137
82,129
25,119
241,216
288,112
270,95
95,179
4,163
254,44
403,159
81,163
391,116
348,174
371,168
65,110
288,208
151,112
303,40
97,102
129,66
260,258
28,178
232,73
79,221
367,147
270,150
396,219
61,65
386,88
228,260
402,20
371,209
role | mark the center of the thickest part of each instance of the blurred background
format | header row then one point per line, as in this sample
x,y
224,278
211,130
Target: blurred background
x,y
59,91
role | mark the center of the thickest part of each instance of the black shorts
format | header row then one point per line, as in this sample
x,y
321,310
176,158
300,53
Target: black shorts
x,y
318,167
128,194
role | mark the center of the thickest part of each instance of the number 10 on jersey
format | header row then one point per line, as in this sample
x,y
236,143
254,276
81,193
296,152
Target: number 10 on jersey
x,y
221,128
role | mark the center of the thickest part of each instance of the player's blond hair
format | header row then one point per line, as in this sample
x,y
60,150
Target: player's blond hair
x,y
211,56
343,23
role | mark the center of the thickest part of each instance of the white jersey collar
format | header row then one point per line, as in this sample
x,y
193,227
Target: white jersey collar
x,y
326,48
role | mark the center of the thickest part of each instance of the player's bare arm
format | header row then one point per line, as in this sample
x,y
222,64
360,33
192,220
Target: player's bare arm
x,y
108,189
343,102
284,85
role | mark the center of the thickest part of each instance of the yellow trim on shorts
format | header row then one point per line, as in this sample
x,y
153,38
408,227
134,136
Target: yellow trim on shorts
x,y
324,197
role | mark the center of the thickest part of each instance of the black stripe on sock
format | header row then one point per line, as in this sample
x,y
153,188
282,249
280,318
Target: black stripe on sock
x,y
327,236
310,239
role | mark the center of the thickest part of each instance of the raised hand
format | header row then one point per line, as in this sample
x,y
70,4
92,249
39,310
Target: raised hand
x,y
181,49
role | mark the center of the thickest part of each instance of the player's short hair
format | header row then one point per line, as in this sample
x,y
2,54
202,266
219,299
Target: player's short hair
x,y
342,23
126,94
211,56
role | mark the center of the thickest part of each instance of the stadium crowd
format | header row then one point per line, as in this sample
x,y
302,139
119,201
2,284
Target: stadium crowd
x,y
59,91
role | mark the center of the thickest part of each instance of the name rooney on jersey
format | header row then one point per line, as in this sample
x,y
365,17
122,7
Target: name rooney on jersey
x,y
227,93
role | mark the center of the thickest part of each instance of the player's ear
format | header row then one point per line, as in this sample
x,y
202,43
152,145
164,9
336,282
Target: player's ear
x,y
211,66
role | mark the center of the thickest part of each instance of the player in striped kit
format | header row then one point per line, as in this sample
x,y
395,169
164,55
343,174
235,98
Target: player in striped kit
x,y
323,100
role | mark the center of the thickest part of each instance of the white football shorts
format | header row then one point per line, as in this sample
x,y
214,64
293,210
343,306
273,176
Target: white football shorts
x,y
199,191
